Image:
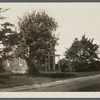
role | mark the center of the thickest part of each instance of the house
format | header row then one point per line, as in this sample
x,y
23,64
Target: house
x,y
19,65
50,62
16,65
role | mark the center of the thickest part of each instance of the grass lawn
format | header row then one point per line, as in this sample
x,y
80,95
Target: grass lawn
x,y
11,80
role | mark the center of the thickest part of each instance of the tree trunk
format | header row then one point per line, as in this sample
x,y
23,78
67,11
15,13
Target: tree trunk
x,y
32,68
1,65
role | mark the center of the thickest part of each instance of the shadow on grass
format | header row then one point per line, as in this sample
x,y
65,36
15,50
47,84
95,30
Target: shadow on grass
x,y
58,75
3,82
4,76
4,79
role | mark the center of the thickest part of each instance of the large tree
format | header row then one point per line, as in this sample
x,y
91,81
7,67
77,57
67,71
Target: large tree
x,y
36,38
82,51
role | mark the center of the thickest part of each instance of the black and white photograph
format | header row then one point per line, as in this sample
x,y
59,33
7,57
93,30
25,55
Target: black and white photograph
x,y
49,47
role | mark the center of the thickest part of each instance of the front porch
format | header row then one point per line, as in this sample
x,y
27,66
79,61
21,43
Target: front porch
x,y
50,62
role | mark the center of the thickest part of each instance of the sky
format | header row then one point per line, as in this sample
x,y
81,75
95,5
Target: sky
x,y
74,19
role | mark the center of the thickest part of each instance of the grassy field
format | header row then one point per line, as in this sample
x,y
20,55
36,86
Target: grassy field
x,y
12,80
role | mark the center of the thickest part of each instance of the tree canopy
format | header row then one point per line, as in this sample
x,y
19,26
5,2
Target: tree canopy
x,y
8,39
82,51
7,34
36,37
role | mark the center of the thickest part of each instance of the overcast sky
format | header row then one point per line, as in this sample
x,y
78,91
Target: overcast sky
x,y
74,19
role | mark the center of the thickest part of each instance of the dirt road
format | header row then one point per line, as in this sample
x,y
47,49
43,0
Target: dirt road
x,y
90,83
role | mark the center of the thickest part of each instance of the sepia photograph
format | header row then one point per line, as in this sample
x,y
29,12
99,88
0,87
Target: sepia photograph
x,y
49,47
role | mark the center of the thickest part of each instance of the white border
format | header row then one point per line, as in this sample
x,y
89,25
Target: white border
x,y
50,95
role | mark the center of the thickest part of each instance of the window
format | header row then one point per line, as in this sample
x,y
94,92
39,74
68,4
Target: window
x,y
8,62
21,62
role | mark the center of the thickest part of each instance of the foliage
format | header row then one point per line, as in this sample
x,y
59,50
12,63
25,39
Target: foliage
x,y
82,52
64,64
8,37
36,38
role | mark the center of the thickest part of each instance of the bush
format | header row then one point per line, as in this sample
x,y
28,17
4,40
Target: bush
x,y
64,65
94,66
82,67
